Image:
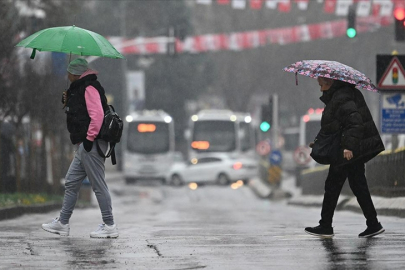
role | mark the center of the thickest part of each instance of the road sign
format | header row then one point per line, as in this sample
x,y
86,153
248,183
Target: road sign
x,y
393,77
263,148
302,155
393,113
390,72
274,175
275,157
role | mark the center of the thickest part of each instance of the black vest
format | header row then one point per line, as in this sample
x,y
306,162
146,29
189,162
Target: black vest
x,y
78,119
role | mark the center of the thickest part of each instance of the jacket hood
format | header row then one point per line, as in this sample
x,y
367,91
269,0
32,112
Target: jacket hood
x,y
327,95
88,72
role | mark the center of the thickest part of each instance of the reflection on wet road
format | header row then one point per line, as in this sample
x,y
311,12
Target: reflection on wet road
x,y
208,227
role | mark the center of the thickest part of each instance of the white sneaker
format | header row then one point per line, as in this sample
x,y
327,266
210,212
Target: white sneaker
x,y
105,231
56,227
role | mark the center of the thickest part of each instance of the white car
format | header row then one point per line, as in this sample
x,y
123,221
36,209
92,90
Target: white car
x,y
217,168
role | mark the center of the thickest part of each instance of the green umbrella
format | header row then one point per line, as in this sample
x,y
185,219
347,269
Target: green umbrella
x,y
70,39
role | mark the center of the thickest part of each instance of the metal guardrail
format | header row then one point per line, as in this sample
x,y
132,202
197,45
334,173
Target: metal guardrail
x,y
385,176
386,173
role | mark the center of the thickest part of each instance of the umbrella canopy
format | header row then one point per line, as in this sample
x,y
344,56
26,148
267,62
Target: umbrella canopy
x,y
333,70
70,39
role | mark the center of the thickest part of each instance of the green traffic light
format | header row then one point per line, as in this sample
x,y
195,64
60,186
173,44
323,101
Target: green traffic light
x,y
351,32
264,126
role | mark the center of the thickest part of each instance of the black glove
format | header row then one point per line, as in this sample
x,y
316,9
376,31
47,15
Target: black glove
x,y
87,145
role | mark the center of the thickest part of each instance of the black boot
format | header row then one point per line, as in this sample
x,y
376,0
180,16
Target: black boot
x,y
372,231
320,231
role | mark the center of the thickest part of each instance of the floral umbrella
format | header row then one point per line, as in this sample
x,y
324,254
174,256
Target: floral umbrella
x,y
333,70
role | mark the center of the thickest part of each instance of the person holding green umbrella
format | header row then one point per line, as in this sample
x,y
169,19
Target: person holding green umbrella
x,y
85,103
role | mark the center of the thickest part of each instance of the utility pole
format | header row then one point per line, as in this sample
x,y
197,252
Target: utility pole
x,y
124,68
275,121
171,43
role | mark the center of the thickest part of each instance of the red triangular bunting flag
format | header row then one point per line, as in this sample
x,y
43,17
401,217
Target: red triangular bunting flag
x,y
284,5
256,4
330,6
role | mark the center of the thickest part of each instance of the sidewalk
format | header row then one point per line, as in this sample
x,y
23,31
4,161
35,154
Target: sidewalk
x,y
111,175
385,206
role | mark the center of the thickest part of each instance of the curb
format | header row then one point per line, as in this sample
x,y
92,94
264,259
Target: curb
x,y
16,211
386,206
381,212
316,201
265,192
383,206
260,189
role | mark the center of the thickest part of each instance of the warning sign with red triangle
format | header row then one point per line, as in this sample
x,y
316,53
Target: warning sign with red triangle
x,y
393,77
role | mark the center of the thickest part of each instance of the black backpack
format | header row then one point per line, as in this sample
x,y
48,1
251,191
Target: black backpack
x,y
111,131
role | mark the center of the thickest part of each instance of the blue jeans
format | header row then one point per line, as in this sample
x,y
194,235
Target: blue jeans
x,y
90,165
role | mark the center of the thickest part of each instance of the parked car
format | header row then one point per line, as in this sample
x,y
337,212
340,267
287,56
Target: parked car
x,y
216,168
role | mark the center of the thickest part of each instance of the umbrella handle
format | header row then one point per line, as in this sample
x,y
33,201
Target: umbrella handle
x,y
33,53
296,78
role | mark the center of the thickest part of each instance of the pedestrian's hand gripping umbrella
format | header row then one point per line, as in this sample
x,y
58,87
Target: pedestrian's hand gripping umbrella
x,y
71,40
333,70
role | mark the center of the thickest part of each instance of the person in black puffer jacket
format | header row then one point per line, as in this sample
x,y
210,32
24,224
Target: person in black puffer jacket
x,y
346,109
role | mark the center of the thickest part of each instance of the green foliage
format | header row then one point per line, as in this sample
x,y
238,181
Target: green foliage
x,y
27,92
25,199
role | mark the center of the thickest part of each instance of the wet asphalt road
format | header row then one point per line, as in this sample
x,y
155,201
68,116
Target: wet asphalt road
x,y
212,227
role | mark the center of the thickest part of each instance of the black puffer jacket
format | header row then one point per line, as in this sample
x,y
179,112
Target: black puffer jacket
x,y
78,119
346,109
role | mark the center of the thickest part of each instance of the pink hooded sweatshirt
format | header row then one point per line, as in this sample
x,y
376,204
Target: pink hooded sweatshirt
x,y
94,108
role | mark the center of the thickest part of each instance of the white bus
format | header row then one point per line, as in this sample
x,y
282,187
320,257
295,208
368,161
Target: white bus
x,y
213,131
148,145
310,125
226,132
246,135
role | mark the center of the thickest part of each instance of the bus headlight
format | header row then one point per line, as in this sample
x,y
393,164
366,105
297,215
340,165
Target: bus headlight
x,y
129,118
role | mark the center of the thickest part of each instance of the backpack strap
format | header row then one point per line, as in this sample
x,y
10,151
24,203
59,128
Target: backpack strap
x,y
111,152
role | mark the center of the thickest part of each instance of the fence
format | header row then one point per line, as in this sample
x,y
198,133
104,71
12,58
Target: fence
x,y
385,176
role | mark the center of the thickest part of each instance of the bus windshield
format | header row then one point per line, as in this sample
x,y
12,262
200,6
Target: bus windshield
x,y
220,135
245,136
148,137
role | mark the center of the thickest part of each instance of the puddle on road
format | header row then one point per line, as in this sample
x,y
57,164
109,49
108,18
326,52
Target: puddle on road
x,y
353,257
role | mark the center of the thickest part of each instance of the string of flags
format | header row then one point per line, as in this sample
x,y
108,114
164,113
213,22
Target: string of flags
x,y
339,7
239,41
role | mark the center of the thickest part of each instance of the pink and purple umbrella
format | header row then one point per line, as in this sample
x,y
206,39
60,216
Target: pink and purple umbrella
x,y
333,70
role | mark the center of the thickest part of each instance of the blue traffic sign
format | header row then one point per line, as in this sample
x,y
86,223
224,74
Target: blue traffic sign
x,y
393,113
275,157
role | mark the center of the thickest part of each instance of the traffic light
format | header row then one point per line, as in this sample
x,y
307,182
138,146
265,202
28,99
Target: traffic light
x,y
267,116
399,15
265,124
351,31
